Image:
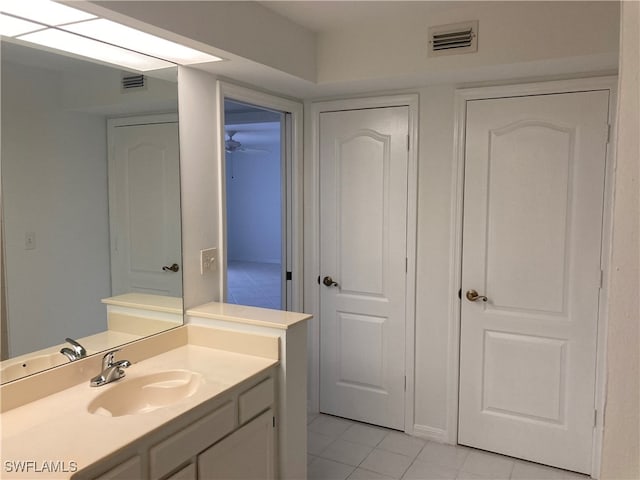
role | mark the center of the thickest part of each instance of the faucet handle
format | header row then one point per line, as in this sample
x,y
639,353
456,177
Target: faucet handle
x,y
79,350
109,359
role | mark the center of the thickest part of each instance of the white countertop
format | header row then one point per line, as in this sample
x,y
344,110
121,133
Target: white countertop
x,y
263,317
59,427
145,301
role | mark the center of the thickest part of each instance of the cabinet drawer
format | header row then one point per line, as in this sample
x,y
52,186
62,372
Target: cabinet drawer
x,y
181,446
256,400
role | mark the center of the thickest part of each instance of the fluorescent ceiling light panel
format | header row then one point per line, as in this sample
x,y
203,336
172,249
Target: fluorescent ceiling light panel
x,y
12,26
93,49
142,42
44,11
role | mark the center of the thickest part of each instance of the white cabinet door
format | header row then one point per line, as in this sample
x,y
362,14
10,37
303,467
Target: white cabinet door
x,y
187,473
534,179
144,209
363,245
248,453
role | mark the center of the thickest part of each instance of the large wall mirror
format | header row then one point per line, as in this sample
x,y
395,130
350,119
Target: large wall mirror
x,y
90,207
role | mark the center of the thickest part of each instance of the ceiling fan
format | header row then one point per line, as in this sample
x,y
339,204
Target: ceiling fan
x,y
232,145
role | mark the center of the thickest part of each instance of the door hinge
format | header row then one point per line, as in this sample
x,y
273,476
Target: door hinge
x,y
289,276
608,133
601,279
408,143
405,383
595,417
406,265
274,421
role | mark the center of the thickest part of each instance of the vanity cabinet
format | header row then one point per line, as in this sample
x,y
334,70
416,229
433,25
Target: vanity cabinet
x,y
230,437
248,453
126,470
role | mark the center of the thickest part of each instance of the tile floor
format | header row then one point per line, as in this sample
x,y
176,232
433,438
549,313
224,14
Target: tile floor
x,y
255,284
340,449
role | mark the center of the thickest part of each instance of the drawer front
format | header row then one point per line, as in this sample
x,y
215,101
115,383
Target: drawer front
x,y
181,446
256,400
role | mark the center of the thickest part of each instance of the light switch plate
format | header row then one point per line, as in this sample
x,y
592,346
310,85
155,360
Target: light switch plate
x,y
207,260
30,241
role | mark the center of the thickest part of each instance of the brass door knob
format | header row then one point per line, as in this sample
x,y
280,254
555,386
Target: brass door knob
x,y
328,281
473,296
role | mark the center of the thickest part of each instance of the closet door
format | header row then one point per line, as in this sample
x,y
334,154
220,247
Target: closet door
x,y
534,182
363,255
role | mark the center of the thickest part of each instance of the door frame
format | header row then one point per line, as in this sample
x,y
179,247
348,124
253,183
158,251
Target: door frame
x,y
462,96
312,238
293,185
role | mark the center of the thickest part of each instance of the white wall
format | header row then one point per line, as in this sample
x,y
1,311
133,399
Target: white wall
x,y
200,135
54,174
621,447
435,165
514,39
254,201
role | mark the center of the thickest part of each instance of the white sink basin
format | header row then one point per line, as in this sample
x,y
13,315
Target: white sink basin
x,y
31,365
146,394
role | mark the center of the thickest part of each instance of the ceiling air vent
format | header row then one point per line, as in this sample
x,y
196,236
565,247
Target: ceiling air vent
x,y
452,39
133,82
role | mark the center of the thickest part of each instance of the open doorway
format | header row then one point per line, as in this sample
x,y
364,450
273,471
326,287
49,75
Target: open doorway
x,y
255,177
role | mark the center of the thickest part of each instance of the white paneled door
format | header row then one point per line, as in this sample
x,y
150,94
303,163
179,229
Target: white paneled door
x,y
533,209
144,209
363,245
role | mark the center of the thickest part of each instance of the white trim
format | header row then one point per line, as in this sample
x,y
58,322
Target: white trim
x,y
142,120
453,362
429,433
607,236
312,229
279,104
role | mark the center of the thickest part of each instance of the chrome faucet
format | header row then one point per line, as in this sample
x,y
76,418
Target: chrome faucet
x,y
111,370
76,351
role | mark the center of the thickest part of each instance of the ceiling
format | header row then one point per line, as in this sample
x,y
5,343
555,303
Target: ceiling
x,y
322,16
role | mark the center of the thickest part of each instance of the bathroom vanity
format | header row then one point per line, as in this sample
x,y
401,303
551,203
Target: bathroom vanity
x,y
197,402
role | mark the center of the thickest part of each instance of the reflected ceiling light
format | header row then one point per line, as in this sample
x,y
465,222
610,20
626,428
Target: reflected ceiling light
x,y
12,26
44,11
87,47
123,36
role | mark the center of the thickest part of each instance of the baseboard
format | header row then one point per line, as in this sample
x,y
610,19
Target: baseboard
x,y
429,433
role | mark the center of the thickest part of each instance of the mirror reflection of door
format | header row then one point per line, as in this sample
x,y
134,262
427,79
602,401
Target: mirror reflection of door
x,y
255,206
144,205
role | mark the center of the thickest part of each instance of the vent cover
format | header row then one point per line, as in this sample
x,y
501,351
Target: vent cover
x,y
453,39
133,82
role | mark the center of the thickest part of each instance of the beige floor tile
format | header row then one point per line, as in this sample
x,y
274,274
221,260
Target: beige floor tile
x,y
362,474
486,464
386,463
428,471
452,456
330,426
402,444
364,434
317,442
323,469
346,452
